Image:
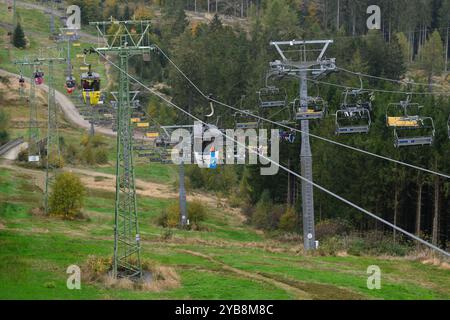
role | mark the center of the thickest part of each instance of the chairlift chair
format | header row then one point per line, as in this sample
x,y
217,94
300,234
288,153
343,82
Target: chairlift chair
x,y
354,116
272,97
410,129
244,120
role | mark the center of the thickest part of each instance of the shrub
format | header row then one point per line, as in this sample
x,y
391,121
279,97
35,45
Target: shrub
x,y
84,140
97,141
23,155
66,198
170,217
71,153
101,156
261,217
331,228
55,160
196,213
4,122
88,155
289,220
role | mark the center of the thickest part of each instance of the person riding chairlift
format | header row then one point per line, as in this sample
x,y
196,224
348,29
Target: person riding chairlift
x,y
21,81
70,84
39,77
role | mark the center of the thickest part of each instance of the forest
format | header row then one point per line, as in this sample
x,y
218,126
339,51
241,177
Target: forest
x,y
230,63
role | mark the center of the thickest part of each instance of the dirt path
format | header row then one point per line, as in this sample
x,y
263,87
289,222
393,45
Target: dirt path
x,y
299,294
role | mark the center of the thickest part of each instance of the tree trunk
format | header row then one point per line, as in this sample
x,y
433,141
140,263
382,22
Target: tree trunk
x,y
446,52
395,209
337,17
435,232
289,190
419,206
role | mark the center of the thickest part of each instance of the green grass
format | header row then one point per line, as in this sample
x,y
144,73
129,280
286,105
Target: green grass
x,y
37,250
153,172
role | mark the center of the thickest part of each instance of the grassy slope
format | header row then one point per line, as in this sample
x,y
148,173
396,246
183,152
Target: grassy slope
x,y
36,251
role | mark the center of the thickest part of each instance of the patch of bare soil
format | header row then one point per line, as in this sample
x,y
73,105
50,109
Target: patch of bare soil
x,y
106,182
319,291
437,263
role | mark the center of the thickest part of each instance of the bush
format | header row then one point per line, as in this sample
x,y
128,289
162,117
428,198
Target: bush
x,y
377,243
196,213
66,198
97,141
23,155
261,217
88,155
71,153
4,122
331,228
56,161
101,156
289,220
170,217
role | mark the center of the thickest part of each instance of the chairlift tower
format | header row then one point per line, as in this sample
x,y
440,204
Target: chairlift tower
x,y
125,39
308,58
52,120
69,36
33,126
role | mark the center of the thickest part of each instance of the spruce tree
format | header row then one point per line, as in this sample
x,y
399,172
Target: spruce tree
x,y
19,37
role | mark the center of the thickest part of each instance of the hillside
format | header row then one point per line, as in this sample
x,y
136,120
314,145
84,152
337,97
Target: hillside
x,y
245,248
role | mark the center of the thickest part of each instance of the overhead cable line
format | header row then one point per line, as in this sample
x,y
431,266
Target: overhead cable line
x,y
355,206
390,80
443,175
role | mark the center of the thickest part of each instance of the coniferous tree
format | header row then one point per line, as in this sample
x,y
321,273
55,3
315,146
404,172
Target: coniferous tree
x,y
433,56
19,37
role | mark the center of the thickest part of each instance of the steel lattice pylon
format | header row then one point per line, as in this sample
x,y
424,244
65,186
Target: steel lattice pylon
x,y
53,158
126,38
303,63
33,129
33,126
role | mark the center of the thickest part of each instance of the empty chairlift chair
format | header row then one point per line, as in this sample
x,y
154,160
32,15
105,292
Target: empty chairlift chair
x,y
244,120
410,128
354,116
272,97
